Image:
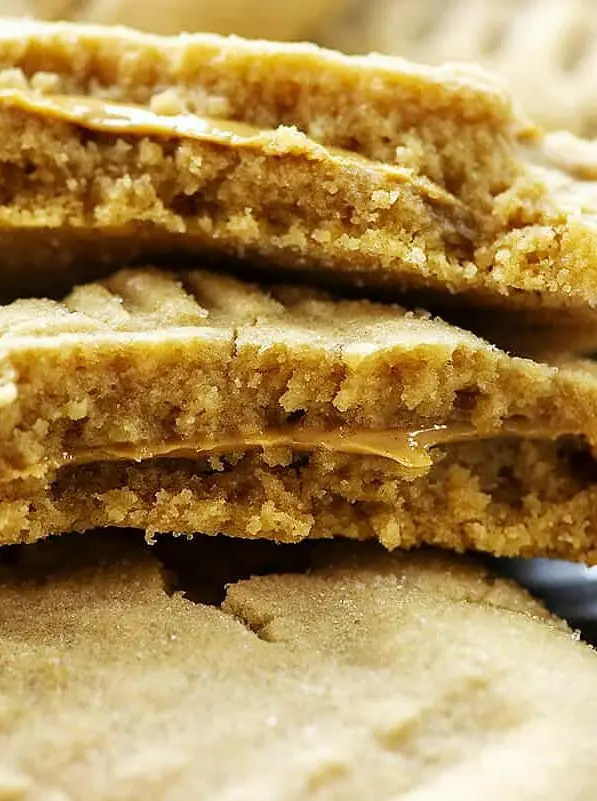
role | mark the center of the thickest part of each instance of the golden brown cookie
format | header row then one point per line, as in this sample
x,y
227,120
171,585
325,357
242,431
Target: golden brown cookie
x,y
371,172
545,49
372,675
200,403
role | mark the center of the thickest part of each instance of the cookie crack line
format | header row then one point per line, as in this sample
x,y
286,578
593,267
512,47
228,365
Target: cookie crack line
x,y
260,628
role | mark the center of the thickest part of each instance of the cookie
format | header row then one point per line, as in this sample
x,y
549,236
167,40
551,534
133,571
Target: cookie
x,y
393,676
201,403
545,51
373,173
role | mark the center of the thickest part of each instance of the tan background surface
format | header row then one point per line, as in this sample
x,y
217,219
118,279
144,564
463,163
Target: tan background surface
x,y
268,19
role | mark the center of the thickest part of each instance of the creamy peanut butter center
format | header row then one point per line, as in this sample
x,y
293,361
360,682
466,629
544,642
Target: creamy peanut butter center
x,y
103,115
410,449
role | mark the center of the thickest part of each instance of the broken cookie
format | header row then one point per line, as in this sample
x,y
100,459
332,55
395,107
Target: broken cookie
x,y
370,172
199,403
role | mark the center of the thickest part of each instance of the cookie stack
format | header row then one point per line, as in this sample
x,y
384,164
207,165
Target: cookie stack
x,y
223,263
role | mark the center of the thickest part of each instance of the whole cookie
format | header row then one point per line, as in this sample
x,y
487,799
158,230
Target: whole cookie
x,y
372,676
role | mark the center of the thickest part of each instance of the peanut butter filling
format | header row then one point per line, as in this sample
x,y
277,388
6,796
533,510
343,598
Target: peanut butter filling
x,y
102,115
409,449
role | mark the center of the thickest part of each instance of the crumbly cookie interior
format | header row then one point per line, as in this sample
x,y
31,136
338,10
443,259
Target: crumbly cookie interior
x,y
430,191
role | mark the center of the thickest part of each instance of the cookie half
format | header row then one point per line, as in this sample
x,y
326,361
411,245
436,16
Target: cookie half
x,y
198,402
369,172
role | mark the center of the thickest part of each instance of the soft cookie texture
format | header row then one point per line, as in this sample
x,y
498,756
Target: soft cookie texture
x,y
197,402
371,675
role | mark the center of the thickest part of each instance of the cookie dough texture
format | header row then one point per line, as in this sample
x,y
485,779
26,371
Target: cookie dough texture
x,y
371,172
267,19
415,677
110,397
545,50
